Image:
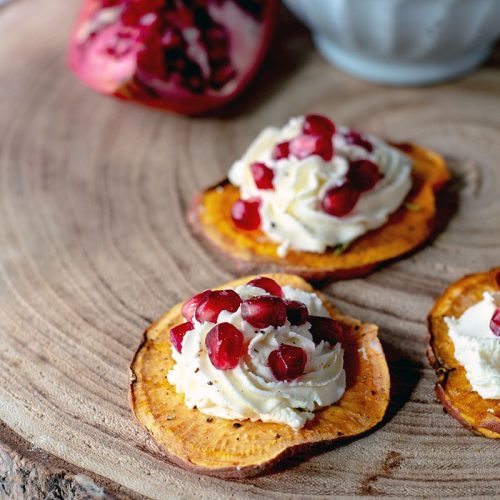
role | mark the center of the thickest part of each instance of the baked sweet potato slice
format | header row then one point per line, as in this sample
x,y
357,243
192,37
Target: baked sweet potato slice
x,y
227,448
453,389
251,251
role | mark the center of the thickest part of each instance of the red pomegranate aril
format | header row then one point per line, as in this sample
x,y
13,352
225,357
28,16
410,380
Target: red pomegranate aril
x,y
327,329
495,323
245,214
264,311
281,150
177,334
171,39
363,174
262,175
221,75
296,312
225,346
308,145
189,307
340,200
267,284
356,138
287,362
318,125
216,302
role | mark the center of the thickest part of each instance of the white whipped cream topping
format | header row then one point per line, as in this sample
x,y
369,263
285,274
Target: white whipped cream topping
x,y
477,349
291,214
250,390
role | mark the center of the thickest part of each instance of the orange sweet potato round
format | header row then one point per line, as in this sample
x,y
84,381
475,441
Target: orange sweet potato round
x,y
219,447
481,416
251,251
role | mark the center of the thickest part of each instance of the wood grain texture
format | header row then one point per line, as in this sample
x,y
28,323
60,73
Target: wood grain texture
x,y
94,245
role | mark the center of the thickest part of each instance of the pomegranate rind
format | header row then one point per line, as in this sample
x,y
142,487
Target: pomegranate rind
x,y
482,416
252,251
129,88
214,446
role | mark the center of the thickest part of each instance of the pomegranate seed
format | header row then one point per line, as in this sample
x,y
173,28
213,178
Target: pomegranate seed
x,y
177,334
262,175
296,312
340,200
358,139
189,307
245,214
307,145
264,311
267,284
217,301
171,39
327,329
217,43
495,323
221,75
281,150
363,174
225,346
287,362
318,125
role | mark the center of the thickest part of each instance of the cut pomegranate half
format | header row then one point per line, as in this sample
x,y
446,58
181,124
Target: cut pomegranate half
x,y
287,362
495,323
189,307
177,334
245,214
264,311
217,301
225,346
188,56
326,329
340,200
267,284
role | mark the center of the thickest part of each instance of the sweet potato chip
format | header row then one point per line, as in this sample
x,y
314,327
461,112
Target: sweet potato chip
x,y
252,251
227,448
480,415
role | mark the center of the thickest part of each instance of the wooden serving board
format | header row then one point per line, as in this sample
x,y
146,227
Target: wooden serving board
x,y
94,246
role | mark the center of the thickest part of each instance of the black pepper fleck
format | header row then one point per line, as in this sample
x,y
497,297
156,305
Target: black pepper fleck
x,y
277,436
197,370
236,425
210,382
210,420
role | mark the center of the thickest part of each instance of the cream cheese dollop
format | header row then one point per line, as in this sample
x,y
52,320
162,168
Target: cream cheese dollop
x,y
477,349
250,390
291,214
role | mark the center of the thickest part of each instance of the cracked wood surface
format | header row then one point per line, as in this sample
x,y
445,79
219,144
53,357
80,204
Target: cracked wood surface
x,y
94,245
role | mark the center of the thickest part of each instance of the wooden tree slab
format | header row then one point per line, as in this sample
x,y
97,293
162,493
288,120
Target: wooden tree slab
x,y
93,246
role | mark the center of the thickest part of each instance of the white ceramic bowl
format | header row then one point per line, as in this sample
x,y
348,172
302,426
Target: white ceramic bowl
x,y
402,42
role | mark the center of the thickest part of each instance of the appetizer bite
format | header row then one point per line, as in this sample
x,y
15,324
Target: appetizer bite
x,y
321,200
464,348
235,379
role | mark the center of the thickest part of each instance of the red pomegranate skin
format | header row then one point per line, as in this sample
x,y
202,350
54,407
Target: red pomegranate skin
x,y
125,77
